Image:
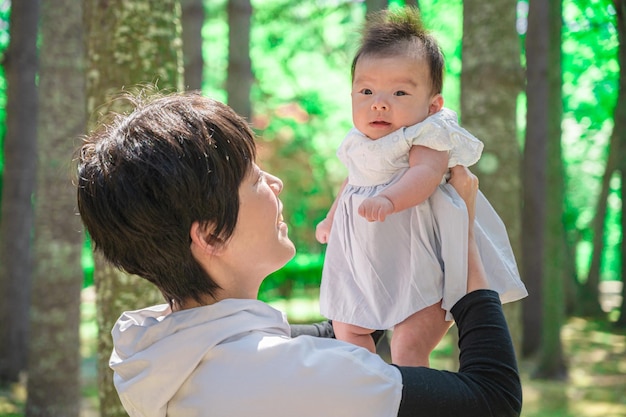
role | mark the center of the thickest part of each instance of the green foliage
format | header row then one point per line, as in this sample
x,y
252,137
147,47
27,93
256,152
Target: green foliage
x,y
301,273
590,87
215,38
444,18
301,54
87,262
301,57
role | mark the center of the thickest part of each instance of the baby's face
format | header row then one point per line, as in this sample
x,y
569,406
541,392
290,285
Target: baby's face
x,y
391,92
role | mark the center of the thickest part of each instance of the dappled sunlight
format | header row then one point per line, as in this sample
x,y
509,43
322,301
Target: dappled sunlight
x,y
596,358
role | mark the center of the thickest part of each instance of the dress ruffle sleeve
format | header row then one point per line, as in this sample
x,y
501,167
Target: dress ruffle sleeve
x,y
442,132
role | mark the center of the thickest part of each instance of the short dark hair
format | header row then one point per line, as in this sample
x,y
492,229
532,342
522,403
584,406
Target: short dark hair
x,y
391,32
144,178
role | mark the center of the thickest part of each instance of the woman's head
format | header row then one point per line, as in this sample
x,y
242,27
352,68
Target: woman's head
x,y
146,177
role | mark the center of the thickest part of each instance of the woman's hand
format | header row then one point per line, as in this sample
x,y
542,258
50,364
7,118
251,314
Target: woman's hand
x,y
466,185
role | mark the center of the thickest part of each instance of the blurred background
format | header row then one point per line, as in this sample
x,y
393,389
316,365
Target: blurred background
x,y
539,82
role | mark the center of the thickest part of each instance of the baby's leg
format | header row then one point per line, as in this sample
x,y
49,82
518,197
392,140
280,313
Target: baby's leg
x,y
417,336
359,336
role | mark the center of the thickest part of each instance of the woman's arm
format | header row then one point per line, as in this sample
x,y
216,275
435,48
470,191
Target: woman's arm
x,y
426,169
487,383
325,329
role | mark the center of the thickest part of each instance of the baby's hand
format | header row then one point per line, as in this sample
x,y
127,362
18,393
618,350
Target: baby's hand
x,y
322,231
376,208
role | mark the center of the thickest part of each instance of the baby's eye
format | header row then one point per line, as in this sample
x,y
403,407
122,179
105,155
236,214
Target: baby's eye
x,y
401,93
366,91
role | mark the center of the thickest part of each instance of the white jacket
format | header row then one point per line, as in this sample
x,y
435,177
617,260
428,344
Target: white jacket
x,y
236,358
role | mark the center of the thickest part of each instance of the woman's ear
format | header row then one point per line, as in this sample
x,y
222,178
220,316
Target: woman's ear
x,y
436,104
200,239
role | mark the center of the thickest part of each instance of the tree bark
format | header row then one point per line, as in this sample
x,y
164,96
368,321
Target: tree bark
x,y
491,80
129,44
192,22
54,364
375,5
545,24
534,176
239,78
20,63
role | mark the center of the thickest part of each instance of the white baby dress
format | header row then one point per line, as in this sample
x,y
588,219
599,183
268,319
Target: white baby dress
x,y
376,274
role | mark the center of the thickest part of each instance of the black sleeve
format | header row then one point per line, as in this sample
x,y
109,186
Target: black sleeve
x,y
487,383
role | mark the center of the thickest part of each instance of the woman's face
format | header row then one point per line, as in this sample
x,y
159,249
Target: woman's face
x,y
260,240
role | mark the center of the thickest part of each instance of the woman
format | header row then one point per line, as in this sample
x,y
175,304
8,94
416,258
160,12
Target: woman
x,y
172,193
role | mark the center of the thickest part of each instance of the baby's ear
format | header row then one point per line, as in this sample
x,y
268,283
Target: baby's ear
x,y
200,239
436,104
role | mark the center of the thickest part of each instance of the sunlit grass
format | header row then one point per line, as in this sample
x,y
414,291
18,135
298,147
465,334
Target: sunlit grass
x,y
596,387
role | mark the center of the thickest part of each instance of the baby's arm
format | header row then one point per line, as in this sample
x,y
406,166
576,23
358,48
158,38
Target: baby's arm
x,y
322,231
427,168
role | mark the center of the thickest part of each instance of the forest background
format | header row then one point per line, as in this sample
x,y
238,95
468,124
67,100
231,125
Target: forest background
x,y
538,82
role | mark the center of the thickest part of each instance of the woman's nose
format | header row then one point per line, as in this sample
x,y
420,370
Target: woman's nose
x,y
275,183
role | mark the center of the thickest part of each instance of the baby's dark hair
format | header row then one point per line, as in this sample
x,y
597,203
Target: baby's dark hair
x,y
146,177
400,31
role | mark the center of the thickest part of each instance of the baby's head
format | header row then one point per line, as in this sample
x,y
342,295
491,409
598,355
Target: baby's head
x,y
400,32
399,67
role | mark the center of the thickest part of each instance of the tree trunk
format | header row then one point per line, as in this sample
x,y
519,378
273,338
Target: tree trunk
x,y
588,296
128,44
239,78
54,364
375,5
192,22
491,80
20,162
545,23
534,178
